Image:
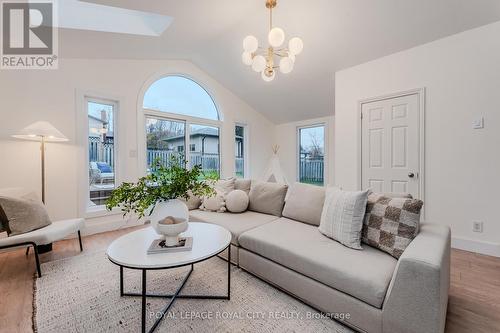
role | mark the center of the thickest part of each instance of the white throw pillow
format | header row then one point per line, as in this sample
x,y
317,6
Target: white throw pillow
x,y
237,201
342,216
216,203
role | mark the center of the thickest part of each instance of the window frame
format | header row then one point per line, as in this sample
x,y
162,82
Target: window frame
x,y
187,134
82,131
325,126
246,152
144,113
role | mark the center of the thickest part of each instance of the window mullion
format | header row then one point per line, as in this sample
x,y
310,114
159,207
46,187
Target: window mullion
x,y
187,141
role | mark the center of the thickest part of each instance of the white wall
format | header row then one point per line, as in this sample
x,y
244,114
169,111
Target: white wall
x,y
461,75
286,138
52,95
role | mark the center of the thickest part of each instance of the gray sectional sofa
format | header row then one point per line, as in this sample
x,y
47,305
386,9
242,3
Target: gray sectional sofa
x,y
371,290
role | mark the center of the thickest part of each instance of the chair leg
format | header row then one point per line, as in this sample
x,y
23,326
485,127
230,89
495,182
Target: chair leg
x,y
37,260
80,241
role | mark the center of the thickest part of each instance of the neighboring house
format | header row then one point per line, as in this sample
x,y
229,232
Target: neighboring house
x,y
96,126
204,141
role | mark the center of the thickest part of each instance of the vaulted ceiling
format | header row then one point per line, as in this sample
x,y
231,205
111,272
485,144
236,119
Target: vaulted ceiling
x,y
337,34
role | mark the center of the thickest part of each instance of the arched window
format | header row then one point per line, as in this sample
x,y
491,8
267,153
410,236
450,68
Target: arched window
x,y
180,95
181,120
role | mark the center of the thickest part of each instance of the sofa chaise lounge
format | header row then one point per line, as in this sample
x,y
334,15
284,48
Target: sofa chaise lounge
x,y
368,289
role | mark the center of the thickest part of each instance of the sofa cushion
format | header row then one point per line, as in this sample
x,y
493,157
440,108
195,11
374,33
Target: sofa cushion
x,y
342,216
214,203
391,224
243,184
225,185
304,203
237,201
193,201
362,274
267,198
235,223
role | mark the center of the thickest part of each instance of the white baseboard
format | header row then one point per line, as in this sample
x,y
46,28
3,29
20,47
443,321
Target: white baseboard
x,y
97,226
488,248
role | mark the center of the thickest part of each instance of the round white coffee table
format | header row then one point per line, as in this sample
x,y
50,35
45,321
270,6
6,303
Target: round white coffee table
x,y
130,251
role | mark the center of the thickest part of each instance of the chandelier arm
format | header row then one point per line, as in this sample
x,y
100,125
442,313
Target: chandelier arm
x,y
282,53
270,18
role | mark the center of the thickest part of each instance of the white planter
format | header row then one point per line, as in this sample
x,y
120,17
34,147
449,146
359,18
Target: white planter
x,y
175,208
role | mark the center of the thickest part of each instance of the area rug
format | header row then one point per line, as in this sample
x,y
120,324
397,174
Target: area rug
x,y
81,294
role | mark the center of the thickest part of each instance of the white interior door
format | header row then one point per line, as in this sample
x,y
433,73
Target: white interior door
x,y
391,145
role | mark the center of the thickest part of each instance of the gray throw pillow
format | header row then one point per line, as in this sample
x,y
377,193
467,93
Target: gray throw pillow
x,y
23,215
304,203
4,222
342,216
267,198
243,184
225,185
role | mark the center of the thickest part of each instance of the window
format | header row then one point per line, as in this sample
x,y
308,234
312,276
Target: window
x,y
207,139
239,145
311,154
101,150
180,95
175,106
164,139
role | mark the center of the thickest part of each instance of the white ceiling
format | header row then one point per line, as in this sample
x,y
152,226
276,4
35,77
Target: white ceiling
x,y
337,34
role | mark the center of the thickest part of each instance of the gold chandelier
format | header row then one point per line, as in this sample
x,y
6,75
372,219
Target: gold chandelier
x,y
262,60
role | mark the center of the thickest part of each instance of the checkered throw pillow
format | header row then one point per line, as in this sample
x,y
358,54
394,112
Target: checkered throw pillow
x,y
391,224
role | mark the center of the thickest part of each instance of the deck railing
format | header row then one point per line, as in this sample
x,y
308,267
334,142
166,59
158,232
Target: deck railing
x,y
101,152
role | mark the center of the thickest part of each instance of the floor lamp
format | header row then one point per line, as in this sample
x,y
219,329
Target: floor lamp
x,y
43,132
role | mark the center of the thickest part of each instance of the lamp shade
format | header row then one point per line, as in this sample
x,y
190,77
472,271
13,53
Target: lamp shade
x,y
39,130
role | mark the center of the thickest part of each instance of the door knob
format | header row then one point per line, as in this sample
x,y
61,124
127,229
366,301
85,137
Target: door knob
x,y
411,175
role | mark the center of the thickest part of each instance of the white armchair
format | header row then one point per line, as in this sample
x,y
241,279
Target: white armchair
x,y
97,176
46,235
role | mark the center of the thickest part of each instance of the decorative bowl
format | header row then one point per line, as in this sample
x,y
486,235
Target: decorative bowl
x,y
170,232
171,208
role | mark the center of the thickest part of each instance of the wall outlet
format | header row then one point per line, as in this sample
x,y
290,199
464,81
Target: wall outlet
x,y
478,123
477,226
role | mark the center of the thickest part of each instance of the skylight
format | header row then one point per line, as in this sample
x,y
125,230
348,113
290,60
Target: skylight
x,y
81,15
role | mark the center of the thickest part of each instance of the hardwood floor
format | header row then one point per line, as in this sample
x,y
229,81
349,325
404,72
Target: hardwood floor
x,y
474,303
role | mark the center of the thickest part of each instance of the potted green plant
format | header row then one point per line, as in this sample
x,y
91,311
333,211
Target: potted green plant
x,y
157,194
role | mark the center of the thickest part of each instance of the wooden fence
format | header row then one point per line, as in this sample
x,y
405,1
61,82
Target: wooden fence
x,y
312,170
208,162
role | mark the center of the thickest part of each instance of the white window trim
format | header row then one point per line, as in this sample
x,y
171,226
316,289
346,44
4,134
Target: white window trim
x,y
188,121
82,97
246,152
326,165
143,113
